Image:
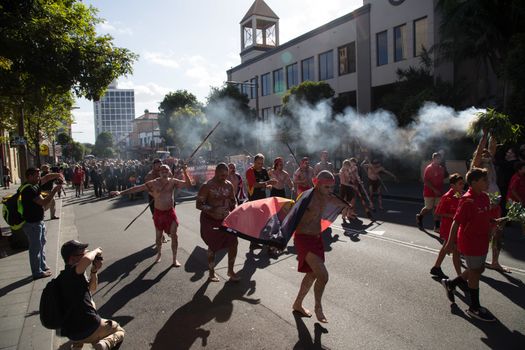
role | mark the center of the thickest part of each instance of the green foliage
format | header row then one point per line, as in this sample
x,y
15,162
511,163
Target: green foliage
x,y
63,139
415,86
104,145
310,92
498,125
171,103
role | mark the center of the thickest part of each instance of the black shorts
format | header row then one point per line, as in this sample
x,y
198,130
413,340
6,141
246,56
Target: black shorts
x,y
347,192
278,193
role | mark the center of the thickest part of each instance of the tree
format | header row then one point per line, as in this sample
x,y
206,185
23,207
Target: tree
x,y
104,145
51,47
417,85
171,103
229,106
48,113
482,31
63,139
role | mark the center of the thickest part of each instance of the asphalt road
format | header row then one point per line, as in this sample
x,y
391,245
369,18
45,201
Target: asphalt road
x,y
380,294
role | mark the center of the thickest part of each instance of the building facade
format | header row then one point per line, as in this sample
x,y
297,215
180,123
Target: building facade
x,y
114,113
358,54
145,137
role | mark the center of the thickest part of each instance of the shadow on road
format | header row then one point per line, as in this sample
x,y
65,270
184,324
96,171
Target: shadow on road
x,y
498,335
138,286
121,268
15,285
513,289
305,341
197,262
186,325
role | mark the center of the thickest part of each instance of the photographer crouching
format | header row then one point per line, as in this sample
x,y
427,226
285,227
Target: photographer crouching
x,y
83,323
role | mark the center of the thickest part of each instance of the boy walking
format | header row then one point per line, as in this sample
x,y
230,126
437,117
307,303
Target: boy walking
x,y
471,230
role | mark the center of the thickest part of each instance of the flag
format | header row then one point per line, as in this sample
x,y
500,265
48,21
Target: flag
x,y
273,220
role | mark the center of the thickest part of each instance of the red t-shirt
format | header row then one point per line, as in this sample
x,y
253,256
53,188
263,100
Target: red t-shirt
x,y
517,183
473,216
435,174
448,204
78,177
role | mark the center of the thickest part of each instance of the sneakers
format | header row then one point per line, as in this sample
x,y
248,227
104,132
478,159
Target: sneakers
x,y
481,314
419,221
436,271
449,290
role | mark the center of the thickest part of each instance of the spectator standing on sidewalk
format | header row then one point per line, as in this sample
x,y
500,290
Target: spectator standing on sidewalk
x,y
83,323
33,204
46,188
432,190
7,177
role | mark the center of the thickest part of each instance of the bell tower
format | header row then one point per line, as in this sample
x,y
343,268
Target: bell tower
x,y
259,30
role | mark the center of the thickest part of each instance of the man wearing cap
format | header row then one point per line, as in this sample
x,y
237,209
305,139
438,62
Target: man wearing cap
x,y
82,323
33,204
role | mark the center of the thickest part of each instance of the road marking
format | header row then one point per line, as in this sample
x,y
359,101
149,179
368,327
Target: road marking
x,y
406,244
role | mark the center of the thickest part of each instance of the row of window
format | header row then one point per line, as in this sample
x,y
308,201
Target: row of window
x,y
285,78
400,39
111,93
266,113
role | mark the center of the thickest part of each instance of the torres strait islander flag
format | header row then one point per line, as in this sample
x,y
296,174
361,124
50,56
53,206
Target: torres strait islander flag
x,y
273,220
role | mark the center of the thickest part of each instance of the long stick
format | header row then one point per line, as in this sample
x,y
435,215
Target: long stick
x,y
383,184
202,143
187,160
293,154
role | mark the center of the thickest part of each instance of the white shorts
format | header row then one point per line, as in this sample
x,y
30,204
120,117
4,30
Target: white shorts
x,y
431,202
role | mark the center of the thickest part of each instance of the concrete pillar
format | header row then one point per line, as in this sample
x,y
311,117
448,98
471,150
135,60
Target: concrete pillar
x,y
363,62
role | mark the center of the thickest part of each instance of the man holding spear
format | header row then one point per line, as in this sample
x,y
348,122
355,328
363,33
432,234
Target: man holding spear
x,y
164,216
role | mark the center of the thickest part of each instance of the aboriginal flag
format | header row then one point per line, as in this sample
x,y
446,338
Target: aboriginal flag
x,y
273,220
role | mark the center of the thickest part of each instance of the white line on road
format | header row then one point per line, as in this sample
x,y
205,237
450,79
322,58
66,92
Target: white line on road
x,y
375,235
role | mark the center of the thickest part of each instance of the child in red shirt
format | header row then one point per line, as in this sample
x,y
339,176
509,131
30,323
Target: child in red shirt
x,y
516,191
445,210
471,230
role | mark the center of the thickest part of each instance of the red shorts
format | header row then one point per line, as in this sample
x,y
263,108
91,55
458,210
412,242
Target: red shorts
x,y
164,218
305,244
215,238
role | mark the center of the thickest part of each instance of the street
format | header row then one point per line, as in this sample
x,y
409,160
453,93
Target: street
x,y
380,293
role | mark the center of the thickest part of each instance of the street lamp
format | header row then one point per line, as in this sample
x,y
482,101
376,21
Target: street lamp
x,y
256,84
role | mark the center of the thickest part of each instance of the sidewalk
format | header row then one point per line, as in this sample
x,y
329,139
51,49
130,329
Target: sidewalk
x,y
20,326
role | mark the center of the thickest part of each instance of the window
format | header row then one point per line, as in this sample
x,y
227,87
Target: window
x,y
347,59
420,35
382,48
292,78
307,69
266,84
278,80
245,88
326,65
277,110
253,87
265,114
400,40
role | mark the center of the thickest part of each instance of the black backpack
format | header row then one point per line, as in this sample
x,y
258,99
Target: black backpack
x,y
52,310
12,209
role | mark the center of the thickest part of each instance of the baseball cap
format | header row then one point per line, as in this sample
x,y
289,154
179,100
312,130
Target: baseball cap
x,y
70,247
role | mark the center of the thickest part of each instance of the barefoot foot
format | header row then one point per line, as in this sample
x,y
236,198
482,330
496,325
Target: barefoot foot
x,y
213,278
176,263
233,277
320,315
157,260
301,310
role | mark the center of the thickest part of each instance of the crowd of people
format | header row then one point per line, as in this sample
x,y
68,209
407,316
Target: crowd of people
x,y
467,221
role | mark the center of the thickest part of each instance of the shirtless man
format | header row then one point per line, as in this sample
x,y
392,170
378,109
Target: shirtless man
x,y
216,199
357,185
324,164
309,243
164,216
151,175
303,176
374,171
281,177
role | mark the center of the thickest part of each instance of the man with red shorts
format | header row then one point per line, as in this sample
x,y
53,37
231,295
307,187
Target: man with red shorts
x,y
216,199
309,243
164,216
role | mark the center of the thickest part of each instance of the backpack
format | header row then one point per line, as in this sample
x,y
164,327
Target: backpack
x,y
52,313
13,210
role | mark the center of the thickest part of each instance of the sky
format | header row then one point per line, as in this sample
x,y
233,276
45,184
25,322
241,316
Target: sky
x,y
189,44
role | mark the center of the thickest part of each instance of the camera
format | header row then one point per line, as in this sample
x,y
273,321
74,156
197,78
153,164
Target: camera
x,y
99,258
